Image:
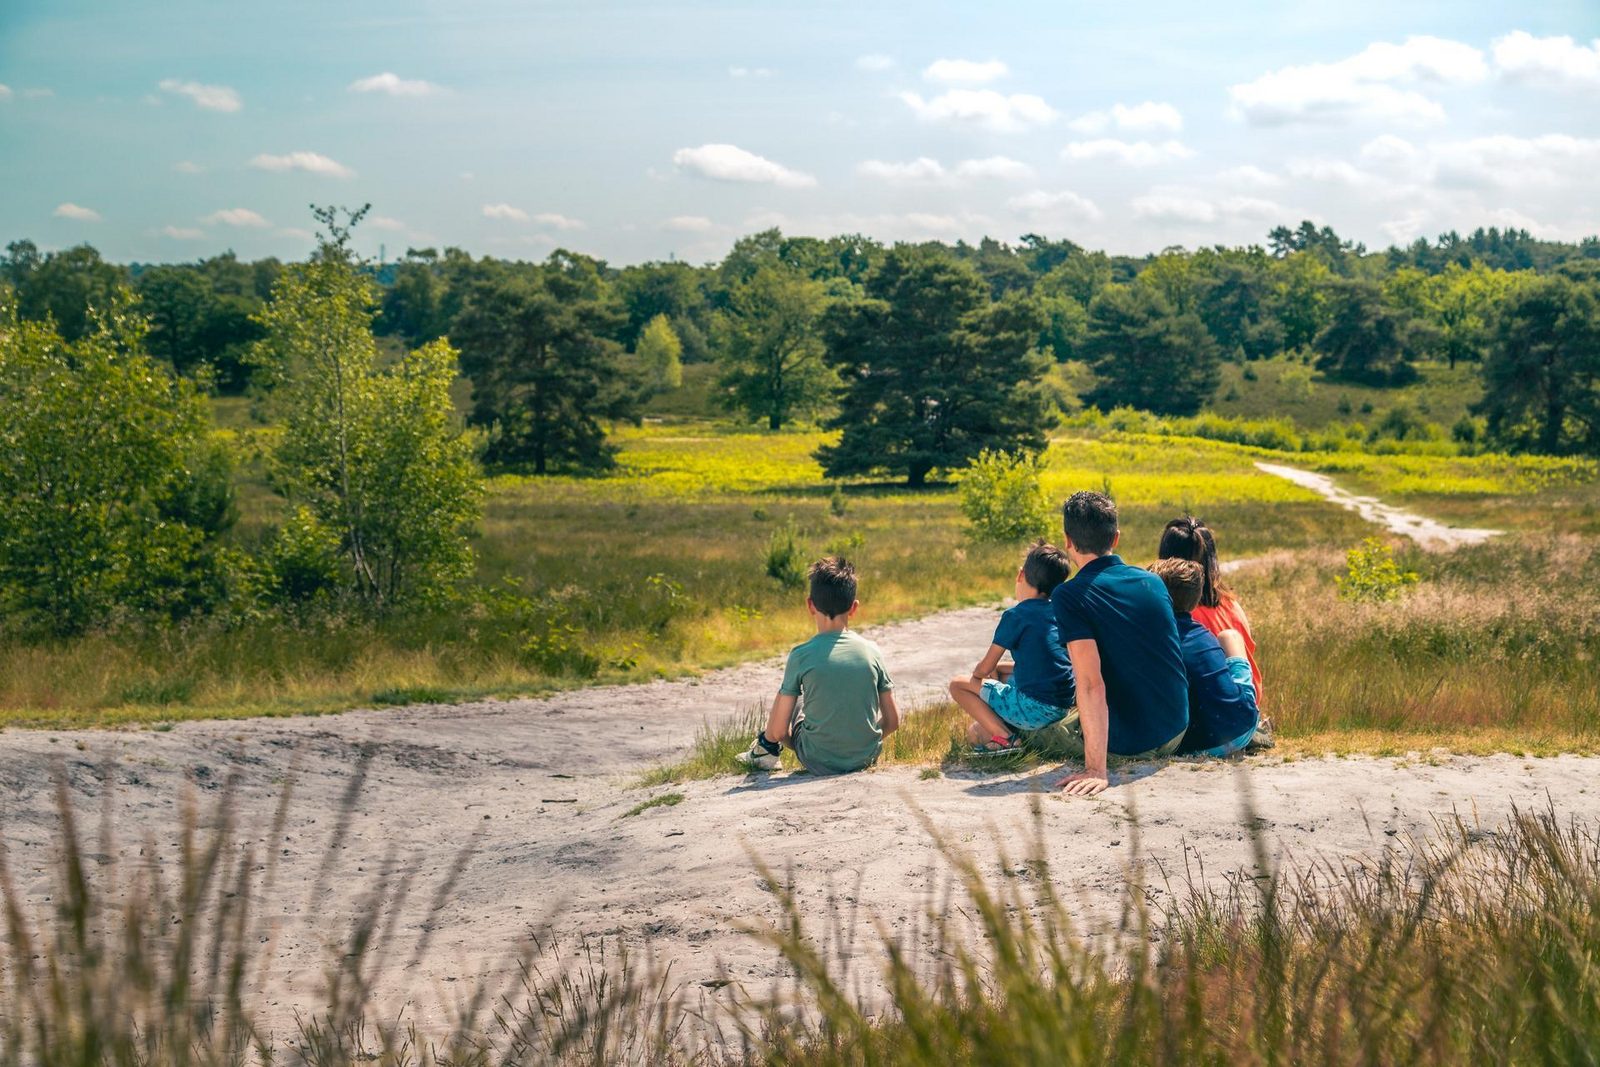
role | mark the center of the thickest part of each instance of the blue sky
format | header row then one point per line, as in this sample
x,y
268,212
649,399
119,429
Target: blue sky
x,y
641,130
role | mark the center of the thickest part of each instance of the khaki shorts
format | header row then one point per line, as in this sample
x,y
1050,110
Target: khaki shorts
x,y
1064,740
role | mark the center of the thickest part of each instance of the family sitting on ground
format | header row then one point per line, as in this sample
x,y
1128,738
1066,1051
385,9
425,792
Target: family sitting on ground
x,y
1114,662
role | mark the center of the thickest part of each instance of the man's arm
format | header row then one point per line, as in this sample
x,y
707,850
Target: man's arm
x,y
1094,718
890,711
986,665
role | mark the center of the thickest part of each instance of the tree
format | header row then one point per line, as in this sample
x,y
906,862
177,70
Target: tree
x,y
537,345
66,286
771,352
195,327
659,352
1541,377
114,493
1365,339
1233,294
1461,304
374,455
934,370
1146,355
1300,297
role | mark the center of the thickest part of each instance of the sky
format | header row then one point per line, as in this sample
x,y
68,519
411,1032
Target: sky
x,y
636,131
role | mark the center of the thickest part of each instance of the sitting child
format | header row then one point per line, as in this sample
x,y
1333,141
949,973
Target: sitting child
x,y
835,705
1222,697
1037,691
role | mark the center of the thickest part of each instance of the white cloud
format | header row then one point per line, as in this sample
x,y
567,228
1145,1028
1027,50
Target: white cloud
x,y
5,91
1251,207
730,163
1062,203
310,162
983,107
1129,153
236,216
751,72
1332,171
1387,150
965,71
182,233
1516,162
38,94
385,222
1556,61
184,166
999,168
921,169
297,233
394,85
1250,175
506,212
558,222
874,61
688,224
76,212
209,97
1149,115
1362,85
1163,207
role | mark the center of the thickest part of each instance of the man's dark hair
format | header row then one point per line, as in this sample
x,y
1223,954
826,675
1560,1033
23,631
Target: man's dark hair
x,y
833,585
1045,566
1090,522
1190,538
1184,579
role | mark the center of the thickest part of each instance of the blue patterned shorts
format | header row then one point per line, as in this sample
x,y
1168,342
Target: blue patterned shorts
x,y
1018,710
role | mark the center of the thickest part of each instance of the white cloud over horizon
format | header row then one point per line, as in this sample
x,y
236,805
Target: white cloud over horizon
x,y
1128,153
986,108
393,85
76,212
730,163
1558,62
309,162
237,216
1147,116
965,71
207,97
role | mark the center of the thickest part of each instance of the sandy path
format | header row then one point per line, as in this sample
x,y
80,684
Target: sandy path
x,y
1428,533
540,788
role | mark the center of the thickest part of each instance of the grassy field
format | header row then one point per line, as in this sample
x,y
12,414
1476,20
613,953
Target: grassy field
x,y
661,568
1288,388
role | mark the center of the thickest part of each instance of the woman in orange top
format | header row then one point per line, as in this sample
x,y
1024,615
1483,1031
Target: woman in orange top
x,y
1219,610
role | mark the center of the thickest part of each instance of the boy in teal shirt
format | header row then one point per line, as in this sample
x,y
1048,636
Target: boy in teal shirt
x,y
836,703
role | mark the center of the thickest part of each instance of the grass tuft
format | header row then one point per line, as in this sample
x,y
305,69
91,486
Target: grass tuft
x,y
665,800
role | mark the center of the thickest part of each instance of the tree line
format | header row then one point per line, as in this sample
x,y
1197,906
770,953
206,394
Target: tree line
x,y
921,355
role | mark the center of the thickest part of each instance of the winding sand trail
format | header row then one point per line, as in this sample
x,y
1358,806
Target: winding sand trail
x,y
1427,533
540,790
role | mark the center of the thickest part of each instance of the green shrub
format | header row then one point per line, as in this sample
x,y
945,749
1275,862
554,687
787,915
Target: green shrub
x,y
786,557
303,559
1002,498
1372,574
837,504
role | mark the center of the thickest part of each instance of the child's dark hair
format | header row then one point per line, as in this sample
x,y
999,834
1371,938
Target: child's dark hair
x,y
1190,538
1090,522
1045,566
833,585
1184,579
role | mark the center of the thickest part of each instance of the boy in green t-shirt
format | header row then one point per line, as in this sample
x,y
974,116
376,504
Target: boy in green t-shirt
x,y
836,703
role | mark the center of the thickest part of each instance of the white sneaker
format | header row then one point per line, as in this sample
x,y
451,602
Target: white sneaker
x,y
757,758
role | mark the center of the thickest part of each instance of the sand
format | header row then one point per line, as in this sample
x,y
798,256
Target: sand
x,y
539,790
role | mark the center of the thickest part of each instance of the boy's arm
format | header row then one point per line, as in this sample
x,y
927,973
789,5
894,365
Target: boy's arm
x,y
778,718
987,664
1094,718
890,711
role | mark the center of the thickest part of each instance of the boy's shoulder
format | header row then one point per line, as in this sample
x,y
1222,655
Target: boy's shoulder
x,y
822,642
1031,612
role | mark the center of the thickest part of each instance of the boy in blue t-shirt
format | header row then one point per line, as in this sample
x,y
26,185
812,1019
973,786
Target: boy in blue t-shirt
x,y
1036,691
1222,694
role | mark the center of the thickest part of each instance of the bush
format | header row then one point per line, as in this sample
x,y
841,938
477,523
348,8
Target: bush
x,y
1372,574
1001,497
786,557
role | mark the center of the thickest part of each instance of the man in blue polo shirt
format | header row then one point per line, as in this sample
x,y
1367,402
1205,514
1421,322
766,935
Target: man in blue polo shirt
x,y
1117,624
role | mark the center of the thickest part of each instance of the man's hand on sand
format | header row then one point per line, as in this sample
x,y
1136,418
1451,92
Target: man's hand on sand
x,y
1082,785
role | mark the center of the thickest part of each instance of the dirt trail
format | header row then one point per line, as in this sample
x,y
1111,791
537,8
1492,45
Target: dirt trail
x,y
541,790
1427,533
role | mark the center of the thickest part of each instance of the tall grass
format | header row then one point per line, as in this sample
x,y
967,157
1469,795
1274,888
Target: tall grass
x,y
1479,944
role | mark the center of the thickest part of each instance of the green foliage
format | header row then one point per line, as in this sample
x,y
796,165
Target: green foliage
x,y
1002,498
536,342
114,494
935,371
1542,374
74,287
660,354
1148,354
838,505
786,556
767,339
373,454
304,559
1371,573
1364,340
201,329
